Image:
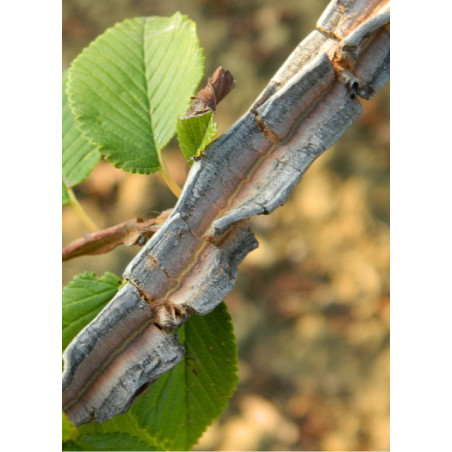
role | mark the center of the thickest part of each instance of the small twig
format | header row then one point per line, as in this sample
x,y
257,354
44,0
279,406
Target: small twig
x,y
128,233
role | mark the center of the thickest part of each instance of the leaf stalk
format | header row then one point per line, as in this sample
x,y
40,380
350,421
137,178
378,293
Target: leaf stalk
x,y
80,211
172,184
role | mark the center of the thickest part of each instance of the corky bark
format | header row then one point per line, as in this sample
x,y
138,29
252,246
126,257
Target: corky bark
x,y
190,264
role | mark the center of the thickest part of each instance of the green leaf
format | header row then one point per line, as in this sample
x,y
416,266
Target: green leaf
x,y
79,156
194,133
123,423
83,298
108,442
173,413
71,445
69,429
128,87
65,193
180,404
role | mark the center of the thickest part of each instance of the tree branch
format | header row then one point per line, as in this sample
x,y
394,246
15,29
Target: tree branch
x,y
130,232
190,264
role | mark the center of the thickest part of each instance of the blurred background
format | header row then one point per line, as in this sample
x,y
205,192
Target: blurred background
x,y
311,304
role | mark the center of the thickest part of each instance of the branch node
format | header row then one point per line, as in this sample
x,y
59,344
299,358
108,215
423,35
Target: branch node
x,y
272,136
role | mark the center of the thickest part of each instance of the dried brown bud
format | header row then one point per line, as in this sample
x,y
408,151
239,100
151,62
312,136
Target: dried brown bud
x,y
218,86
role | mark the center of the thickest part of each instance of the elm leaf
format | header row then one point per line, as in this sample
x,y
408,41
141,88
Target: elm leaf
x,y
69,430
79,156
194,133
177,408
127,88
108,442
83,298
182,403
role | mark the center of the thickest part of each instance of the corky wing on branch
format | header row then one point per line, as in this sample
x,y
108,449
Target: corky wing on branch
x,y
190,264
